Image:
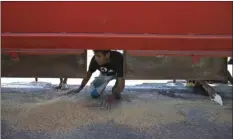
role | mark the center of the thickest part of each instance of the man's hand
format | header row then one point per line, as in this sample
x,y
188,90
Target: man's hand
x,y
84,82
74,91
107,103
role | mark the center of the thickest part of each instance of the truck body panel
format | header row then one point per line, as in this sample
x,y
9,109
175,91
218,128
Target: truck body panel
x,y
35,31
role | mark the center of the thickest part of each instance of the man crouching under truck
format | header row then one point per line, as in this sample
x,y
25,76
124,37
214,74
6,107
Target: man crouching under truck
x,y
110,65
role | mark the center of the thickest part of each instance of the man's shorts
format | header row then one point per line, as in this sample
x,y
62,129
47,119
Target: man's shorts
x,y
99,84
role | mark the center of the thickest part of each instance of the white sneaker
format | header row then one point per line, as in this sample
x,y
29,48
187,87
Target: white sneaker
x,y
218,99
64,86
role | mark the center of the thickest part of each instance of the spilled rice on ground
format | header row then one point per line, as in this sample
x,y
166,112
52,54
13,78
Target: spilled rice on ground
x,y
67,113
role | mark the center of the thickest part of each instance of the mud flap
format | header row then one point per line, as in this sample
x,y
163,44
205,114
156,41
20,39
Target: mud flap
x,y
174,67
212,93
45,65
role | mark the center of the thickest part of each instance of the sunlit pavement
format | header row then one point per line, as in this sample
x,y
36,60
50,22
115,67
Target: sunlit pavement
x,y
196,125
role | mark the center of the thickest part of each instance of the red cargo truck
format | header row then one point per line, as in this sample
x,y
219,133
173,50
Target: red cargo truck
x,y
50,39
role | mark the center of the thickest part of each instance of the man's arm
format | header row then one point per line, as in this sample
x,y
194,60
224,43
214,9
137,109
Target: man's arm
x,y
85,80
83,84
92,68
120,85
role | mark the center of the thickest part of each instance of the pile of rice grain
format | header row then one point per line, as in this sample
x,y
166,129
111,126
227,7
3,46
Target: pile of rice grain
x,y
60,115
67,114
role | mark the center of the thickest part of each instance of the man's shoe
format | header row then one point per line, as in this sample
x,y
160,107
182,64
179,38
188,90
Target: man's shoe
x,y
64,86
59,86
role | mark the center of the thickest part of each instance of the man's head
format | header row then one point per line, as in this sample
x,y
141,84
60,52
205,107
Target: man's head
x,y
102,56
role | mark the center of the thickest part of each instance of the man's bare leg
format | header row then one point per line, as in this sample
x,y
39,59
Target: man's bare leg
x,y
60,84
65,80
64,84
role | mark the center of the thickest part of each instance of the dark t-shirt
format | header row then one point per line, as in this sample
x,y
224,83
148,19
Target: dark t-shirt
x,y
113,68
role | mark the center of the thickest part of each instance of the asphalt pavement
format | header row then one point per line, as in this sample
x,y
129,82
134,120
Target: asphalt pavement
x,y
195,125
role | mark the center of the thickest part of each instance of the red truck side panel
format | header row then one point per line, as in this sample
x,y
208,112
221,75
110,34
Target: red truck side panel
x,y
118,17
173,26
55,34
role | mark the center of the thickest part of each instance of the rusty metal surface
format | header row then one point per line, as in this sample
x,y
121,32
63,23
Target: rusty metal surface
x,y
59,65
173,67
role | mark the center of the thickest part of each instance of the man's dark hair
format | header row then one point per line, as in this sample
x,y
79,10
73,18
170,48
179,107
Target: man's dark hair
x,y
102,51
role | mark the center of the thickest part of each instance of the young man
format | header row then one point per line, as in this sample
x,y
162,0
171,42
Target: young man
x,y
110,64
